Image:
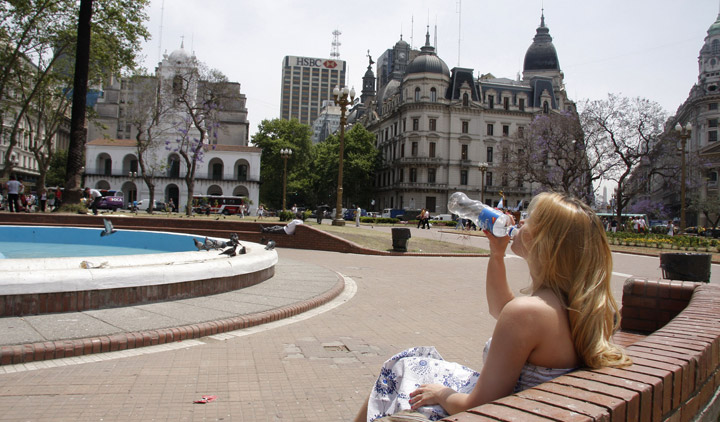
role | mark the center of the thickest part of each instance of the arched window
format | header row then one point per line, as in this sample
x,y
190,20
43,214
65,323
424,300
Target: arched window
x,y
217,171
417,94
716,46
466,99
177,84
173,167
546,107
242,172
433,94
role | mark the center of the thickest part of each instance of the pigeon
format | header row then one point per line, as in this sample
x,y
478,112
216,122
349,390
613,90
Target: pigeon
x,y
231,251
199,245
108,228
270,245
242,250
212,244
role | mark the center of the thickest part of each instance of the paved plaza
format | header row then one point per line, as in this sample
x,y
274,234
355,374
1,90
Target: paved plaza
x,y
317,366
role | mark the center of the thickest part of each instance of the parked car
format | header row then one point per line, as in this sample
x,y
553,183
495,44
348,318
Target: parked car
x,y
110,200
350,213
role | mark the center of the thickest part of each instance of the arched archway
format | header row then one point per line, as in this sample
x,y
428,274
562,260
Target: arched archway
x,y
242,170
215,169
241,191
172,193
214,190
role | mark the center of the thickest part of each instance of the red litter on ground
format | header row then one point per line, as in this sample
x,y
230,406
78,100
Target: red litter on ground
x,y
206,399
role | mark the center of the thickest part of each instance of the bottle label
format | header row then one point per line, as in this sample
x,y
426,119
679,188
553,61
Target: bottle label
x,y
487,218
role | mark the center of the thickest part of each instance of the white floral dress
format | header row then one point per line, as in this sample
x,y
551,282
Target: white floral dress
x,y
406,371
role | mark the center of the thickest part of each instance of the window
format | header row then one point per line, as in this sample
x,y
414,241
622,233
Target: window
x,y
713,177
506,130
466,100
504,180
488,179
490,129
464,152
505,155
713,106
431,175
433,124
433,94
413,175
465,126
242,172
489,154
414,149
417,94
521,132
401,175
491,101
174,170
402,150
506,103
416,124
713,123
463,177
432,150
712,136
546,107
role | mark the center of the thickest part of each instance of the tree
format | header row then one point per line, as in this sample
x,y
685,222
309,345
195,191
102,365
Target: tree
x,y
271,137
38,40
146,112
361,162
552,153
629,129
195,97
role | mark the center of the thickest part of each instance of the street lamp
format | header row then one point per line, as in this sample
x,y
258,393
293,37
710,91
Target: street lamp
x,y
285,153
684,133
341,99
483,168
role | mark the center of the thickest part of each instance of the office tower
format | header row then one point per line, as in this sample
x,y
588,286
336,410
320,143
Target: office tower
x,y
306,83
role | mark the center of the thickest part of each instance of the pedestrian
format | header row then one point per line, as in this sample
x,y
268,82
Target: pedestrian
x,y
613,225
260,211
171,205
43,199
426,219
670,228
566,322
420,218
94,196
358,212
14,188
294,209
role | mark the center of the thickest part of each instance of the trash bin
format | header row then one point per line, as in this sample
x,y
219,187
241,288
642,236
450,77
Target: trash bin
x,y
686,266
400,238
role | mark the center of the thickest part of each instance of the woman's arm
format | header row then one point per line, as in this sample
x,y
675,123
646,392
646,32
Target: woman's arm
x,y
497,289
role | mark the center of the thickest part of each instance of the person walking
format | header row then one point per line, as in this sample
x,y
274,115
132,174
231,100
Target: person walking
x,y
14,187
420,218
94,196
358,212
43,199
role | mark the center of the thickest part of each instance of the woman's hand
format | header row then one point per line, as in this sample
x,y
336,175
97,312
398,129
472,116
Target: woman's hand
x,y
498,245
429,394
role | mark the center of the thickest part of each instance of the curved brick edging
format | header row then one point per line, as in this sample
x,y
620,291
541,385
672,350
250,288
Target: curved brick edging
x,y
675,375
33,352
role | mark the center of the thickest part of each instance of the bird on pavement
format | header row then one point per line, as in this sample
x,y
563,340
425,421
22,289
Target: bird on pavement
x,y
199,245
270,245
108,228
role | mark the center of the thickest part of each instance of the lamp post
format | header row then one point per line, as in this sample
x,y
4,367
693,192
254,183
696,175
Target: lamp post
x,y
483,168
285,153
684,133
341,99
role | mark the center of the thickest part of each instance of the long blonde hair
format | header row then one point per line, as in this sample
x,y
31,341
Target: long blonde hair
x,y
570,255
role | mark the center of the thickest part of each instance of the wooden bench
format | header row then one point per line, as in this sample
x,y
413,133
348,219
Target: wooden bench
x,y
671,329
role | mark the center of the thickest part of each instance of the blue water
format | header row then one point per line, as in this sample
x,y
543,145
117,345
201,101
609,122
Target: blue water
x,y
47,242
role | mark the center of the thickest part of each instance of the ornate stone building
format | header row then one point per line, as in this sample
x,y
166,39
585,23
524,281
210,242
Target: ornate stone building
x,y
434,125
229,165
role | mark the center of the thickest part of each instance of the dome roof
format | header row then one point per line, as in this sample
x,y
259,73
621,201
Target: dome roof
x,y
179,55
541,54
390,89
715,27
427,61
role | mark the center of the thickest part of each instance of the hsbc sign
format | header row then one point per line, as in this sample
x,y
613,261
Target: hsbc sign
x,y
313,62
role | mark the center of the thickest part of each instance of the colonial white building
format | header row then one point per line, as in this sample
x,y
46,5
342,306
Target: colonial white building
x,y
435,125
228,167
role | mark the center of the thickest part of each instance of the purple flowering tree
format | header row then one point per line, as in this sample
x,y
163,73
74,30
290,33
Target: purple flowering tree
x,y
628,129
198,95
553,154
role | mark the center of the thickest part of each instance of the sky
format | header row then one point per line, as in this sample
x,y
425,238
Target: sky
x,y
645,48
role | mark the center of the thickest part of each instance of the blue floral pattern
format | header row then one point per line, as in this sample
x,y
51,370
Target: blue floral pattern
x,y
406,371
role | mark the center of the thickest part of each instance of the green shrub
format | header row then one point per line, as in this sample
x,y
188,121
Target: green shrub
x,y
286,215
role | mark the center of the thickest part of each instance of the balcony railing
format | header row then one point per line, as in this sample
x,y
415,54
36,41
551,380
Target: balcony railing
x,y
198,176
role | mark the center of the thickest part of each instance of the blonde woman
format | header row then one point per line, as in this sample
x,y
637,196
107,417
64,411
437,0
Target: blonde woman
x,y
564,323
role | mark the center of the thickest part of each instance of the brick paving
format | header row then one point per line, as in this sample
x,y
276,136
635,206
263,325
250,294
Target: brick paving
x,y
317,366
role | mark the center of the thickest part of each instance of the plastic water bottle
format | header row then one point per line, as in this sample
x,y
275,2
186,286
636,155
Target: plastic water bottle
x,y
485,217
